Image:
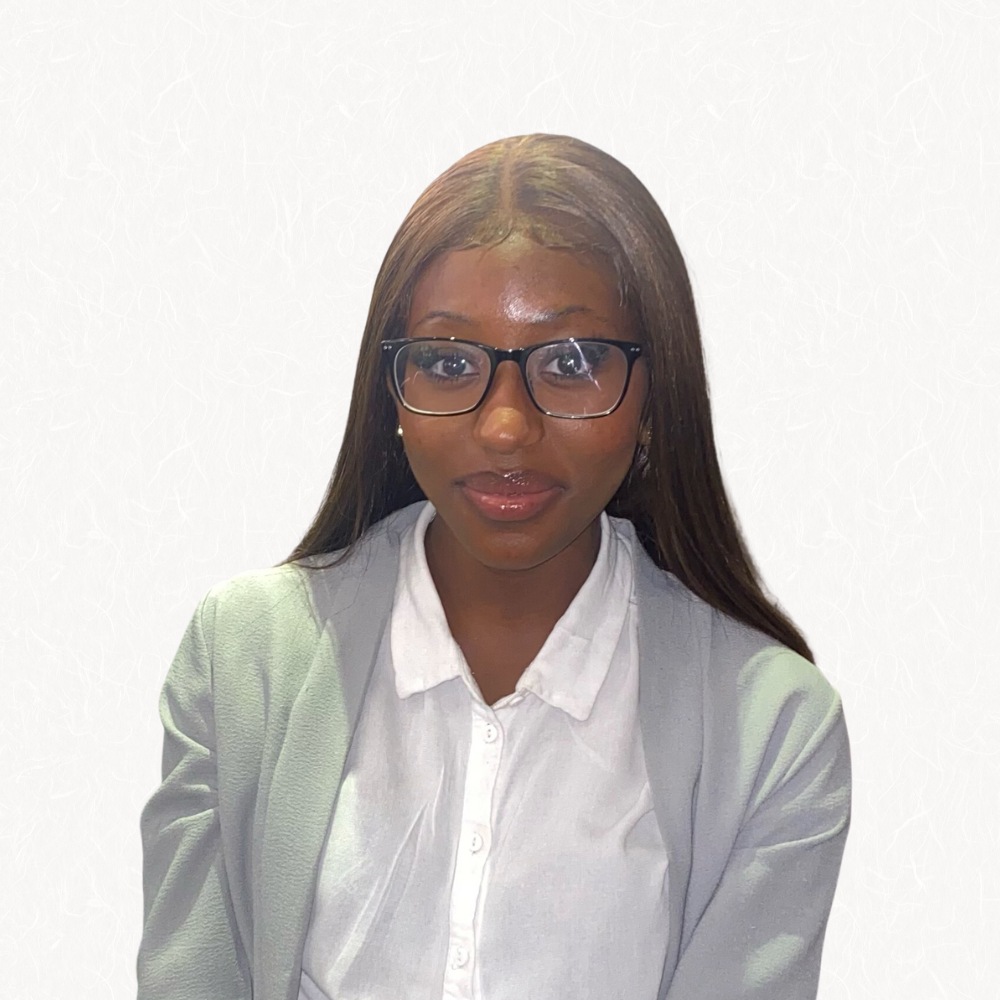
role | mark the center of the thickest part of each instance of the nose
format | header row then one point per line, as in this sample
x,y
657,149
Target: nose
x,y
507,419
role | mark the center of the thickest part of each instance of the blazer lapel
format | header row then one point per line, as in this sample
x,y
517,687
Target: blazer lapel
x,y
353,603
674,634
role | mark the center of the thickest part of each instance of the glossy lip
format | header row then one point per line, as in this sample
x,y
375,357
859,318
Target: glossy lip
x,y
511,506
513,483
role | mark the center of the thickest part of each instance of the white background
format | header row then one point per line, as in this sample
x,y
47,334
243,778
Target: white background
x,y
195,200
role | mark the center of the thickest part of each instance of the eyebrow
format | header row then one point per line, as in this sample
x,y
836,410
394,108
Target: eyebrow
x,y
549,316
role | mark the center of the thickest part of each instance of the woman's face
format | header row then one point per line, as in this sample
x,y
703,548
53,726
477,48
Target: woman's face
x,y
515,295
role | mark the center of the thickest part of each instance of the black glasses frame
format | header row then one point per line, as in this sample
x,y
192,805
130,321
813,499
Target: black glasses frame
x,y
519,355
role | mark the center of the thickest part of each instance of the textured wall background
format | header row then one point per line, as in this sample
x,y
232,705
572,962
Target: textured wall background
x,y
195,198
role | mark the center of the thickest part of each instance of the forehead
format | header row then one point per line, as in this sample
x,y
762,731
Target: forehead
x,y
518,281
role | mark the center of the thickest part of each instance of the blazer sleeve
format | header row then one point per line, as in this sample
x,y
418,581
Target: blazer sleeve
x,y
190,948
761,933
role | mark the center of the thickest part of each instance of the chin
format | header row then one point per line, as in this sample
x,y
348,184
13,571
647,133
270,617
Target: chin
x,y
511,558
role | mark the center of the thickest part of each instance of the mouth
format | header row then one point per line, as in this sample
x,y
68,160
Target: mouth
x,y
512,483
511,506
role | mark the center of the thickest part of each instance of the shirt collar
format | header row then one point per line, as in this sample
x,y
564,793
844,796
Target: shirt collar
x,y
574,661
424,652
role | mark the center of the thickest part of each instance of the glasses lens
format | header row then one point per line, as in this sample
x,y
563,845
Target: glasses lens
x,y
577,379
440,376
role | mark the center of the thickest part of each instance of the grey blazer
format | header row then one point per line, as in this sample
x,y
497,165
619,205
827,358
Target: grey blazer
x,y
745,744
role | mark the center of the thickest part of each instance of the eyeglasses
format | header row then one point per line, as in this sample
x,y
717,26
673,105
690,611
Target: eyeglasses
x,y
570,378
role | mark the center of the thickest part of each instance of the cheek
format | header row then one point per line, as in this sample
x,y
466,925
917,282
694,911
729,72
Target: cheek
x,y
606,452
427,449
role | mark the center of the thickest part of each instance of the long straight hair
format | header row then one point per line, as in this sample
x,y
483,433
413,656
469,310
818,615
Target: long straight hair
x,y
562,193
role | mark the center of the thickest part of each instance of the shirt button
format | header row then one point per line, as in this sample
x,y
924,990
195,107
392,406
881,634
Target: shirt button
x,y
490,733
475,843
460,957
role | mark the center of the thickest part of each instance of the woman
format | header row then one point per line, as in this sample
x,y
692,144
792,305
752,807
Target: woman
x,y
515,718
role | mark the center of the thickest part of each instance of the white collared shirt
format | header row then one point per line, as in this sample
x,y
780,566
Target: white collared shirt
x,y
504,852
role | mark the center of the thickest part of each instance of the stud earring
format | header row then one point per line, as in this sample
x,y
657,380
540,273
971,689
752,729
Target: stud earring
x,y
399,431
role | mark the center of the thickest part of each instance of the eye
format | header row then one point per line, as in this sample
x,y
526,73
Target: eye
x,y
578,360
444,363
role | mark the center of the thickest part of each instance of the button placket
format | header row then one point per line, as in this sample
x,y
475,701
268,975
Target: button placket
x,y
485,749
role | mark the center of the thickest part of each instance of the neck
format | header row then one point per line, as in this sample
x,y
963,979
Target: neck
x,y
475,594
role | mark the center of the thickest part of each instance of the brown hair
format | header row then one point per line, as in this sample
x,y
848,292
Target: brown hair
x,y
565,193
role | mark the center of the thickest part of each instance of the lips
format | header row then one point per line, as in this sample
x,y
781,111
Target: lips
x,y
517,482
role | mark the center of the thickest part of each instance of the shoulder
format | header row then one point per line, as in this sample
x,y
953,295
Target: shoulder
x,y
727,658
283,601
772,721
777,717
748,726
744,696
755,671
249,596
255,610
